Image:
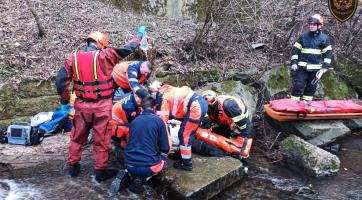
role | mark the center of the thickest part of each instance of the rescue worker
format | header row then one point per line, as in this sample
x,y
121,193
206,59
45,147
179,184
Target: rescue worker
x,y
123,112
147,139
311,57
229,111
180,103
128,76
91,70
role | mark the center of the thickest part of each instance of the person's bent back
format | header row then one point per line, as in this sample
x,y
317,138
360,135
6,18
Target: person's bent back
x,y
147,139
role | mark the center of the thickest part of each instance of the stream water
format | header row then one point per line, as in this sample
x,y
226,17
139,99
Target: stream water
x,y
265,181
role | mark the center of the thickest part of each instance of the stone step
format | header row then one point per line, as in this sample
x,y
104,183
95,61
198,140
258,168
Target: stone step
x,y
317,132
210,176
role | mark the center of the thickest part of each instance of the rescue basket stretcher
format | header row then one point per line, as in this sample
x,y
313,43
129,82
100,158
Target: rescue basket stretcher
x,y
291,110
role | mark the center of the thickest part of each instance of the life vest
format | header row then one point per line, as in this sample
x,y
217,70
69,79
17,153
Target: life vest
x,y
120,74
222,118
90,83
240,145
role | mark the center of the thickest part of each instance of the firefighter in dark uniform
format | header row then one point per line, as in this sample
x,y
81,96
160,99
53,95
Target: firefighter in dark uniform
x,y
311,58
90,70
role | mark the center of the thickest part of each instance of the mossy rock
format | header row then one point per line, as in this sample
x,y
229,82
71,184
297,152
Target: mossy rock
x,y
5,123
292,145
27,106
190,78
279,79
335,88
228,86
314,160
350,70
27,88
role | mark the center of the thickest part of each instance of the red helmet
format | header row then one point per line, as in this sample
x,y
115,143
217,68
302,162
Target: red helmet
x,y
99,38
316,19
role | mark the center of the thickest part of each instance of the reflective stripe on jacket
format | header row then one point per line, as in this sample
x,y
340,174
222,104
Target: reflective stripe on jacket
x,y
90,83
127,75
312,51
174,102
125,110
228,113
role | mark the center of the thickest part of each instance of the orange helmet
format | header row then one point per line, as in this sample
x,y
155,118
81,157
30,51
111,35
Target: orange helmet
x,y
100,38
209,96
316,19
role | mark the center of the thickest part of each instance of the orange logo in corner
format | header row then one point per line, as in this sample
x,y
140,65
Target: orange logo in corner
x,y
342,10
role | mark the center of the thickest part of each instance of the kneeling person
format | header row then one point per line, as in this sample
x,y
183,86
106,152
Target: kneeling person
x,y
225,110
123,112
147,139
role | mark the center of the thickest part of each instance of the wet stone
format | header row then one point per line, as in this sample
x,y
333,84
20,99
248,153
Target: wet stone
x,y
312,159
210,176
354,124
317,132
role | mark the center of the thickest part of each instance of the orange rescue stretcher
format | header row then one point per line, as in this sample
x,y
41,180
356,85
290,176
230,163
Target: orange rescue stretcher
x,y
236,146
292,110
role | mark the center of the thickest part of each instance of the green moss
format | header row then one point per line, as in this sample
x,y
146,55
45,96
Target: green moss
x,y
297,148
335,88
279,79
350,70
7,122
6,72
228,86
190,78
28,88
27,106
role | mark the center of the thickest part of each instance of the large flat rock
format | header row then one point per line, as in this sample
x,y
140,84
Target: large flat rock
x,y
210,176
317,132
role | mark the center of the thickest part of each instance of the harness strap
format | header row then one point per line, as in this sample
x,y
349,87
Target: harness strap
x,y
91,83
95,100
91,91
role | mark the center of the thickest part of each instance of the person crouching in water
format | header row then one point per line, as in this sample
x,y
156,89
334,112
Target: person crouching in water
x,y
147,139
183,104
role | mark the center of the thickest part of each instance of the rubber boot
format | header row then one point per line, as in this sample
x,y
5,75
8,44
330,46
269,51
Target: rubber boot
x,y
246,163
137,185
174,156
183,164
104,174
74,169
121,178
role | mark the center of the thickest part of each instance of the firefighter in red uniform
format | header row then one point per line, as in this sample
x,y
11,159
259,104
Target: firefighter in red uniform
x,y
123,113
183,104
225,110
90,70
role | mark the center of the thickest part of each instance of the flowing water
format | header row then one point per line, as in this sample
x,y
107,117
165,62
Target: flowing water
x,y
265,181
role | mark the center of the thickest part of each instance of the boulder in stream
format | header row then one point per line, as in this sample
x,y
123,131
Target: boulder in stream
x,y
312,159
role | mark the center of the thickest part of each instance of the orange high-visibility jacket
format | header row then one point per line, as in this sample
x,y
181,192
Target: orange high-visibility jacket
x,y
127,75
174,102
